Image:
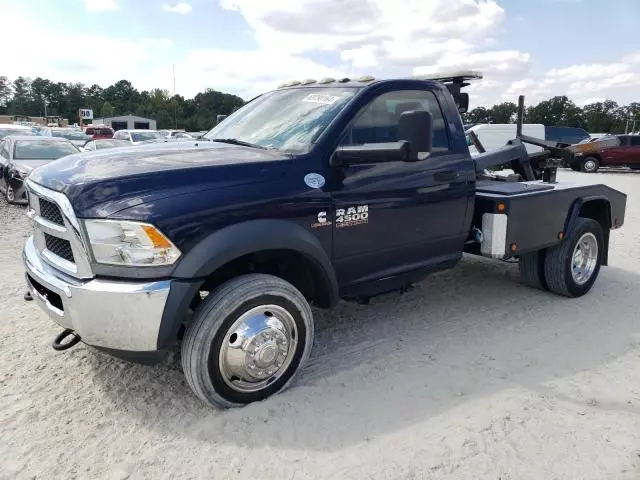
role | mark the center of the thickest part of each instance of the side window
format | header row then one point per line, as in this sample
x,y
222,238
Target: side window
x,y
635,141
378,121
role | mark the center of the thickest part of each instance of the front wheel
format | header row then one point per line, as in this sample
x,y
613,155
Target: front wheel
x,y
590,165
247,341
10,195
572,266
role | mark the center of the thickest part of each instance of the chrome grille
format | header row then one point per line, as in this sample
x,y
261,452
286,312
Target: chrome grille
x,y
59,247
57,235
50,211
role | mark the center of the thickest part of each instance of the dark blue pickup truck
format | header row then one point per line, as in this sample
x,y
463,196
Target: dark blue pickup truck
x,y
316,191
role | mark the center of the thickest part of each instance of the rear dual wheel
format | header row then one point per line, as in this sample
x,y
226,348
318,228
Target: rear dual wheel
x,y
247,341
569,268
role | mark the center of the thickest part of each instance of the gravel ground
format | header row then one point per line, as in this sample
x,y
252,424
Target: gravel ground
x,y
469,375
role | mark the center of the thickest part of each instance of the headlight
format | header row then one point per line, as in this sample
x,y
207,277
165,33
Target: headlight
x,y
130,243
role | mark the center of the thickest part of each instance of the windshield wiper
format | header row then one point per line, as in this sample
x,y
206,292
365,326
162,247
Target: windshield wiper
x,y
235,141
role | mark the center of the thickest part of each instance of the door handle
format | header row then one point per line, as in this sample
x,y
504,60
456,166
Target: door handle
x,y
448,176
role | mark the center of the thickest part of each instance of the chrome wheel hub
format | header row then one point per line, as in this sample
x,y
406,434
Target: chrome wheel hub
x,y
590,165
258,348
584,259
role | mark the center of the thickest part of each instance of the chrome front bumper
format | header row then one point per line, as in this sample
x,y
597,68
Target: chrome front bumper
x,y
112,314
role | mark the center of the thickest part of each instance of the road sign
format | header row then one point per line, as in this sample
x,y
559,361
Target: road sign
x,y
86,114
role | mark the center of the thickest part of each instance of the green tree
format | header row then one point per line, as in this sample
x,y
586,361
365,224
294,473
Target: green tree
x,y
21,99
503,112
106,110
557,111
5,93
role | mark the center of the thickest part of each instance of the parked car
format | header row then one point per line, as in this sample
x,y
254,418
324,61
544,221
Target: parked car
x,y
607,151
99,131
175,134
136,136
11,129
102,143
19,154
77,137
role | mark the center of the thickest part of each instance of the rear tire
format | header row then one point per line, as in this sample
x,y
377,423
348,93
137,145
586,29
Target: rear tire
x,y
247,341
572,266
10,196
590,165
531,267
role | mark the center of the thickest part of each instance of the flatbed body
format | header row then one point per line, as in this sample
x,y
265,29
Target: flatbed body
x,y
522,217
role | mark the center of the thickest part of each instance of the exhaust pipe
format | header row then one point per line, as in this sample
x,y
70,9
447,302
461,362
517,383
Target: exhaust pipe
x,y
57,342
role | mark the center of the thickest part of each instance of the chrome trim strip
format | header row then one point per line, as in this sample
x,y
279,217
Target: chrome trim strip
x,y
121,315
71,231
59,261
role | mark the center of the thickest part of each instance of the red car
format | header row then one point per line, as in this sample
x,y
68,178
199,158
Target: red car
x,y
607,151
99,131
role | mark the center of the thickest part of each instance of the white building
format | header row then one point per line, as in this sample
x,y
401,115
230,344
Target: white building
x,y
126,122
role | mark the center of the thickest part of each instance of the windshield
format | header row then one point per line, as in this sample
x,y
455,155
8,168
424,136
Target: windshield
x,y
14,131
42,150
142,136
288,120
108,143
70,135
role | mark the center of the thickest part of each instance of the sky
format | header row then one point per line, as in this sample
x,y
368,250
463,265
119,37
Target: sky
x,y
585,49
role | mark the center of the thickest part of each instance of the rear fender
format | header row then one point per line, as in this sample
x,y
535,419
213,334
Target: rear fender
x,y
598,208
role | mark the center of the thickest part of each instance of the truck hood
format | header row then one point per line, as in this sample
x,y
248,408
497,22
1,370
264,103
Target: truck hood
x,y
104,182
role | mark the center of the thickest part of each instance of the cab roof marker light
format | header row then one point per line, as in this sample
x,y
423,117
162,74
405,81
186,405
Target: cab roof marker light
x,y
308,81
366,78
344,80
327,80
290,83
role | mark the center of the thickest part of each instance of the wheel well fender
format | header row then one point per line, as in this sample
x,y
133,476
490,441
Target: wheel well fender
x,y
597,208
253,236
211,258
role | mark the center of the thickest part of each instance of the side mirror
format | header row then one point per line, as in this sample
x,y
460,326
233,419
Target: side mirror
x,y
370,153
463,103
416,127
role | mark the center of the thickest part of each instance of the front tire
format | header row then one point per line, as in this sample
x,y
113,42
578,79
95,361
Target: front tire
x,y
247,341
572,266
590,165
9,195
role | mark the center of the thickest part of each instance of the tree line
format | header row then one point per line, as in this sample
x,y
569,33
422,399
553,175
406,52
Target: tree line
x,y
31,98
600,117
27,97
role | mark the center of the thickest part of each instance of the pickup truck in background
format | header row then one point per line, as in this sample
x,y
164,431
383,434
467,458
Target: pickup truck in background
x,y
606,151
311,193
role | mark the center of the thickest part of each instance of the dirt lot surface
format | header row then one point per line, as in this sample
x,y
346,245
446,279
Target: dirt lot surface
x,y
469,375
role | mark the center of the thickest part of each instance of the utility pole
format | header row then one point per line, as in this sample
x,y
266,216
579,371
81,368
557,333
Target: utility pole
x,y
175,102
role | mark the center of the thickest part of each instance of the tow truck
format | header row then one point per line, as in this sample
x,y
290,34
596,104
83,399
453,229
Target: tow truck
x,y
317,191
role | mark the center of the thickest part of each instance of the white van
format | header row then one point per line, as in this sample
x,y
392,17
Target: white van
x,y
496,135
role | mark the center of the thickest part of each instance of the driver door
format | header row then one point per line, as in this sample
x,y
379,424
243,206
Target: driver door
x,y
395,217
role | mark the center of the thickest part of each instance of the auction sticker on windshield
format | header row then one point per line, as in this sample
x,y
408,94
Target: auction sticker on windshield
x,y
320,98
